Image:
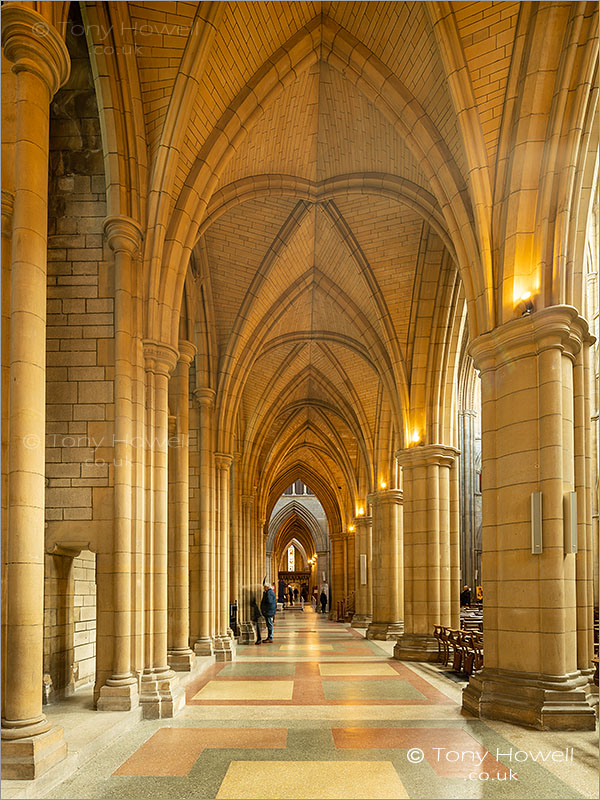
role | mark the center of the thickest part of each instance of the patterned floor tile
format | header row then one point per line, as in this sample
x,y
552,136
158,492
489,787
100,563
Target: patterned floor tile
x,y
246,780
246,690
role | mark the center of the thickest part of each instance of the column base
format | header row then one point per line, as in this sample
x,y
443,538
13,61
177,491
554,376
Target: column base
x,y
203,646
361,621
223,648
117,695
161,695
28,758
544,702
385,630
416,647
181,660
246,633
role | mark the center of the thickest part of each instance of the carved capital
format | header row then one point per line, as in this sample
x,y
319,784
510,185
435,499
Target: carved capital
x,y
386,496
159,358
123,234
187,351
427,455
223,460
552,327
33,45
205,397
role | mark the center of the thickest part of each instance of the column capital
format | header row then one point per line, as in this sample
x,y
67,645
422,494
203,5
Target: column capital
x,y
554,327
427,454
123,234
34,45
386,496
223,460
205,397
364,521
247,500
187,351
159,358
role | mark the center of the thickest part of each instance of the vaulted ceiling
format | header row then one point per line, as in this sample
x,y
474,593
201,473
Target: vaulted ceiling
x,y
315,288
324,287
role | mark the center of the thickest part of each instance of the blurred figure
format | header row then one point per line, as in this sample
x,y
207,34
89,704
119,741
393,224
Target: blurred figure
x,y
465,596
323,599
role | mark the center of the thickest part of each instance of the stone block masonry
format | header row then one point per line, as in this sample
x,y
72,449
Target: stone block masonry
x,y
80,307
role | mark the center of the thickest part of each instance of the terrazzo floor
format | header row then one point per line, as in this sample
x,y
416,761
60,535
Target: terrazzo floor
x,y
324,713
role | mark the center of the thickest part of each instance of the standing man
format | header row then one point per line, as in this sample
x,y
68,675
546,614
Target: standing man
x,y
268,607
323,599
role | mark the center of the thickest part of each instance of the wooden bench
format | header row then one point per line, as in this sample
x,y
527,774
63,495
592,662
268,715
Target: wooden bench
x,y
462,649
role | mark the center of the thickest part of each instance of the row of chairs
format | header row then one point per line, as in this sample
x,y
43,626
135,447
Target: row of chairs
x,y
460,649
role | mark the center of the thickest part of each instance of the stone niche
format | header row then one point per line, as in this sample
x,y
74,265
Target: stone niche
x,y
69,622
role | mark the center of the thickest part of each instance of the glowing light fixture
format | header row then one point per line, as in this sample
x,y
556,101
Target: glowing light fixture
x,y
526,304
383,484
416,437
351,528
361,512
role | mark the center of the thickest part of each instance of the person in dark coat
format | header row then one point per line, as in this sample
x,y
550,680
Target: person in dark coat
x,y
323,599
465,596
268,607
291,595
255,618
296,594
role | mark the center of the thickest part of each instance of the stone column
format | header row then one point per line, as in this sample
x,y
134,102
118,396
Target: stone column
x,y
337,572
584,561
120,692
431,584
180,656
246,629
161,694
7,217
41,63
204,645
223,647
466,427
531,675
388,578
234,537
364,591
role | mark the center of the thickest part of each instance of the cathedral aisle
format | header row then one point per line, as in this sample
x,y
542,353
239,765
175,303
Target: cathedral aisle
x,y
323,713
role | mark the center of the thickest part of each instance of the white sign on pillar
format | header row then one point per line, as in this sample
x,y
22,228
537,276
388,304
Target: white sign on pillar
x,y
363,569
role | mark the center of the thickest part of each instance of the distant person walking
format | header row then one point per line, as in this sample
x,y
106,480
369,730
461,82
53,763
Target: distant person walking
x,y
323,599
465,596
268,607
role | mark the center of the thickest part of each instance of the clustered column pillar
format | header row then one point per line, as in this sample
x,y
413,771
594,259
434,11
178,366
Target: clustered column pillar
x,y
223,646
203,646
364,591
431,581
337,573
234,538
387,560
533,671
161,694
180,656
41,64
120,692
246,630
